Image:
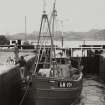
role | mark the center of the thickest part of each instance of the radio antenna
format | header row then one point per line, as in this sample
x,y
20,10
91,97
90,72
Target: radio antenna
x,y
25,28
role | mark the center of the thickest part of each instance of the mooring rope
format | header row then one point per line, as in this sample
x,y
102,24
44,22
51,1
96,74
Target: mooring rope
x,y
28,86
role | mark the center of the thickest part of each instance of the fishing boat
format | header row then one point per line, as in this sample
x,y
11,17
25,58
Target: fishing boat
x,y
54,80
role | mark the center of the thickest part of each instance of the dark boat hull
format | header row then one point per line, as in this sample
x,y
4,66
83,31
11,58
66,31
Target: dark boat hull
x,y
47,92
56,97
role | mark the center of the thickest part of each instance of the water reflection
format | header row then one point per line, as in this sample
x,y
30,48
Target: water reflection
x,y
93,93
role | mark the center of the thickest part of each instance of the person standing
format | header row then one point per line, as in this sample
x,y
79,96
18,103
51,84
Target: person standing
x,y
23,67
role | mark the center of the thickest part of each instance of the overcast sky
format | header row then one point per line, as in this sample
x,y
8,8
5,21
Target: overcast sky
x,y
77,15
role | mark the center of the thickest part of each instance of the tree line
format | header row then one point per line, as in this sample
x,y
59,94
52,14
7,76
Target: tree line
x,y
4,40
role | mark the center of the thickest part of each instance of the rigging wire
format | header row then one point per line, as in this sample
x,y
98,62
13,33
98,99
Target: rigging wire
x,y
41,47
27,88
39,43
37,60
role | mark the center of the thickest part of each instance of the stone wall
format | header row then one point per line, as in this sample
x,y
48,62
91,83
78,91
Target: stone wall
x,y
10,85
102,67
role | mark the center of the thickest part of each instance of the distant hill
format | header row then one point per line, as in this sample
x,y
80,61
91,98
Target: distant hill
x,y
21,36
91,35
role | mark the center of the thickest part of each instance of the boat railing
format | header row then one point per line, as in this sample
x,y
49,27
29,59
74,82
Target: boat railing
x,y
79,77
59,79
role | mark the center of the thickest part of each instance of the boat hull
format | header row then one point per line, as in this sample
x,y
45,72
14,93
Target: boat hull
x,y
47,92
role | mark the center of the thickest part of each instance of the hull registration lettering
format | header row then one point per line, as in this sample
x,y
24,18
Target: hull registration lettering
x,y
65,84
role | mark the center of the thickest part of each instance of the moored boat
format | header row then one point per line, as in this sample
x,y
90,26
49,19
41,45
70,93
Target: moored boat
x,y
54,80
58,88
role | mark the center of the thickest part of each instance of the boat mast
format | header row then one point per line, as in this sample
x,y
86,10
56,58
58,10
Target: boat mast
x,y
25,29
62,33
53,16
44,20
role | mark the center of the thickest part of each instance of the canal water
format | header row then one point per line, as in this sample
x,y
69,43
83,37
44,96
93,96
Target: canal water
x,y
93,93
